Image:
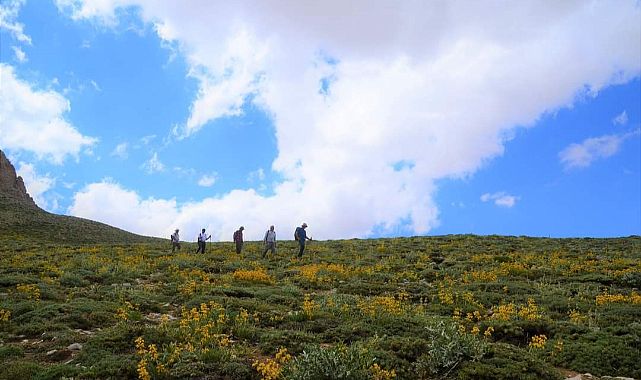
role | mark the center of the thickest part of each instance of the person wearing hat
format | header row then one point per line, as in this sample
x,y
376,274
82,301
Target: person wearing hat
x,y
301,235
238,239
175,241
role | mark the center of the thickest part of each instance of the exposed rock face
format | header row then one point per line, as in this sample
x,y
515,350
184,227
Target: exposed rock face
x,y
12,185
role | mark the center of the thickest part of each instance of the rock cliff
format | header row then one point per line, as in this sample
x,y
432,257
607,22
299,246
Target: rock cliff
x,y
11,184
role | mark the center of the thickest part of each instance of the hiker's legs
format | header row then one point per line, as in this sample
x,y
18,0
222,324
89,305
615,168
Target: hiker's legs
x,y
239,246
269,247
301,248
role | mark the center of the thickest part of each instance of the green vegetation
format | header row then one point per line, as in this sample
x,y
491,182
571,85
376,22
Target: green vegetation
x,y
451,307
22,221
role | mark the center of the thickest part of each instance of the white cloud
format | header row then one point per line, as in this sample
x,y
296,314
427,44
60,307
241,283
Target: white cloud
x,y
9,10
207,180
583,154
147,139
256,175
355,89
501,199
34,120
111,202
95,86
37,185
20,54
153,165
621,119
121,151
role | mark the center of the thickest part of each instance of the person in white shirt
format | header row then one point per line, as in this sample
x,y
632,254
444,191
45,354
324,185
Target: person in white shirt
x,y
202,238
175,241
270,241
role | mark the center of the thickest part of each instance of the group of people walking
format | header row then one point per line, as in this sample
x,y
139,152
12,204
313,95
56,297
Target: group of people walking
x,y
269,241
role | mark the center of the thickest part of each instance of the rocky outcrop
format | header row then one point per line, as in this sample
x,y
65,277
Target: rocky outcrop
x,y
12,185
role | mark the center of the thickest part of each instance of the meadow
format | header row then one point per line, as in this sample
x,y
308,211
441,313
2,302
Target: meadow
x,y
448,307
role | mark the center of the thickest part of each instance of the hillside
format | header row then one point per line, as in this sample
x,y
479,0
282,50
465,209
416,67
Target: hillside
x,y
23,220
450,307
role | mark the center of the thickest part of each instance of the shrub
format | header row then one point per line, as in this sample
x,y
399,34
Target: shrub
x,y
506,362
448,346
337,362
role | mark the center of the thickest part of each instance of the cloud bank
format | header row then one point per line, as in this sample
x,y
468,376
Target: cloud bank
x,y
371,101
33,120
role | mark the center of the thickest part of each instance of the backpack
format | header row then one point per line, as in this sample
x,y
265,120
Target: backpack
x,y
296,234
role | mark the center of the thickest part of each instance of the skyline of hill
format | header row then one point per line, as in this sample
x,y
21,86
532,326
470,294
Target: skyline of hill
x,y
22,218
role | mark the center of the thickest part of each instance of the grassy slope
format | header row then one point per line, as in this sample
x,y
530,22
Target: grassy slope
x,y
25,222
386,297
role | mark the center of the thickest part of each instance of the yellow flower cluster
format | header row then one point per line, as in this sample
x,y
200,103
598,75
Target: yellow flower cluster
x,y
188,288
122,312
538,341
242,318
506,312
471,317
259,276
606,298
468,297
380,305
558,347
512,268
530,312
31,291
271,369
311,272
143,373
309,306
445,295
480,276
48,267
4,315
576,317
146,353
193,316
378,373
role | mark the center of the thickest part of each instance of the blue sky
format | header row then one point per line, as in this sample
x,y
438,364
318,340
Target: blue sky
x,y
150,117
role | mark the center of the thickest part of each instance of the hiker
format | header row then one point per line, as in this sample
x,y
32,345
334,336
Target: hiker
x,y
175,241
301,235
238,239
270,241
202,239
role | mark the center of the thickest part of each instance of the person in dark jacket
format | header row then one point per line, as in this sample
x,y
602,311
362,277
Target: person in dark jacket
x,y
238,239
301,236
